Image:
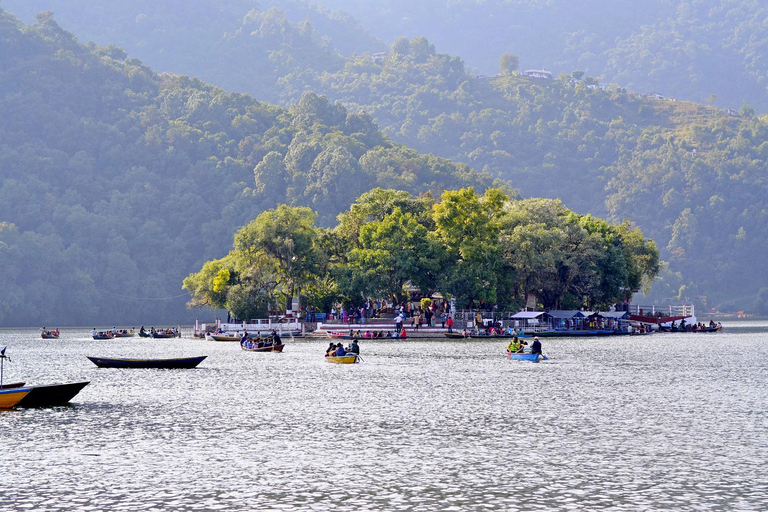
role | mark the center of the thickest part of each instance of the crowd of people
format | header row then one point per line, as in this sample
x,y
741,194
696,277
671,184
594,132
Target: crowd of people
x,y
251,342
338,350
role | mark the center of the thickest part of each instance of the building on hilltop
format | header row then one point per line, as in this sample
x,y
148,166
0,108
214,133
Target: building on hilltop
x,y
538,73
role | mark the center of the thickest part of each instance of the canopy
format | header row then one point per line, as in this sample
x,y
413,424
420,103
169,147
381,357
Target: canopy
x,y
619,315
528,314
566,313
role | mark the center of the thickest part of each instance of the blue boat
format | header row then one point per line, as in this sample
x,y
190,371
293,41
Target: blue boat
x,y
535,358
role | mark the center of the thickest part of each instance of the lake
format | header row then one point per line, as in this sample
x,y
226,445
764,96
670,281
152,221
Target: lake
x,y
660,422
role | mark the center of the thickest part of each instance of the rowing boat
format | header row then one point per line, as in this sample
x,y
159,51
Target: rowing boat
x,y
458,335
347,359
271,348
11,397
526,357
50,395
224,337
178,363
48,335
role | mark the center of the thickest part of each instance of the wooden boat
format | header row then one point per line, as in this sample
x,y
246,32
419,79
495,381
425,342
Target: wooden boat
x,y
103,336
161,334
123,335
144,334
347,359
527,357
271,348
53,394
458,336
11,397
12,385
49,335
178,363
345,336
224,337
677,329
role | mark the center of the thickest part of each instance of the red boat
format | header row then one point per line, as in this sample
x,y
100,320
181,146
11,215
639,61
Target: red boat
x,y
271,348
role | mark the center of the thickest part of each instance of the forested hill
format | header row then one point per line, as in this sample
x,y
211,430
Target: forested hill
x,y
240,45
117,181
688,49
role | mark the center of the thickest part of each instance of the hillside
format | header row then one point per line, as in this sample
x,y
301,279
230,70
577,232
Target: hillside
x,y
600,151
688,49
117,181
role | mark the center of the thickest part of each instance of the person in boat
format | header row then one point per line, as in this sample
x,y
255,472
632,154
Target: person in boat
x,y
94,332
340,351
514,345
331,349
449,324
276,338
243,339
525,348
353,347
464,332
536,346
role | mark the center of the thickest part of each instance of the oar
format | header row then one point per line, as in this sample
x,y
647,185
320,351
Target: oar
x,y
360,358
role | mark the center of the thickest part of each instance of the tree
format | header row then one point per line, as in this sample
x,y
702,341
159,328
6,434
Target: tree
x,y
392,252
401,45
509,62
284,239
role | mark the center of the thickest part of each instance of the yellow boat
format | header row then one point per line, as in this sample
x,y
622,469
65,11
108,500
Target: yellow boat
x,y
224,337
10,397
348,359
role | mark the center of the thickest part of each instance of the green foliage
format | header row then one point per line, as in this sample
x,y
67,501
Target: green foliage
x,y
508,63
118,181
484,250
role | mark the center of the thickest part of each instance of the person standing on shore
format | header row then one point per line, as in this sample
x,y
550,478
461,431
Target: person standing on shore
x,y
449,323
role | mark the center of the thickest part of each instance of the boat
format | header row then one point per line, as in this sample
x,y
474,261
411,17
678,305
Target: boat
x,y
527,357
49,335
224,337
144,334
126,334
458,335
10,397
677,329
345,336
178,363
271,348
103,336
347,359
52,394
12,385
163,334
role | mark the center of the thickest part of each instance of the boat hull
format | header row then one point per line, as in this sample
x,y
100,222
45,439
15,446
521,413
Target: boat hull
x,y
123,335
144,335
534,358
350,359
162,335
13,385
10,397
101,337
178,363
273,348
54,394
459,336
49,336
217,337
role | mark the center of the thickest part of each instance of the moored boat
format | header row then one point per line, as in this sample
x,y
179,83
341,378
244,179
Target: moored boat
x,y
458,335
52,394
10,397
346,359
177,363
271,348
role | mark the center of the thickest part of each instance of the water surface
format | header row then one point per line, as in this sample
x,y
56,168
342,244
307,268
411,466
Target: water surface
x,y
662,422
